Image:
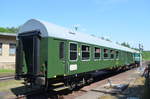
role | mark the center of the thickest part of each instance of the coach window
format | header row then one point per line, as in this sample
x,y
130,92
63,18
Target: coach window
x,y
0,49
97,52
112,53
105,53
117,55
61,50
85,52
73,51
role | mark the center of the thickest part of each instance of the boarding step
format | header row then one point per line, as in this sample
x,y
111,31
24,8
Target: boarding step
x,y
58,84
61,88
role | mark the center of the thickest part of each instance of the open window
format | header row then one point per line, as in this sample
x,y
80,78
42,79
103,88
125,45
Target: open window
x,y
117,54
61,50
112,54
85,52
106,56
97,53
73,51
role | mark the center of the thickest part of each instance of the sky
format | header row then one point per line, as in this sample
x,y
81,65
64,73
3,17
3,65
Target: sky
x,y
118,20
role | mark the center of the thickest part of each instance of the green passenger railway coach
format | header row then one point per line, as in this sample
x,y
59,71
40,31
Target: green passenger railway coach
x,y
48,54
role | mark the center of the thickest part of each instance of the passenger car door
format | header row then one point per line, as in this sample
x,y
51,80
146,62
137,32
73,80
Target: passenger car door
x,y
63,55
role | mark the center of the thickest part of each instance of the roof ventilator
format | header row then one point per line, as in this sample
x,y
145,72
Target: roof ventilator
x,y
73,33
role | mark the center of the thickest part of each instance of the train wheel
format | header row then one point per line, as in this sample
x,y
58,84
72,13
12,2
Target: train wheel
x,y
72,85
90,80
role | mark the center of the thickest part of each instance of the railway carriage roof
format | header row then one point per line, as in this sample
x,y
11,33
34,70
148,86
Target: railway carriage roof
x,y
52,30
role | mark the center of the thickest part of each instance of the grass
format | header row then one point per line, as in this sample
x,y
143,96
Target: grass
x,y
6,71
5,85
146,55
6,88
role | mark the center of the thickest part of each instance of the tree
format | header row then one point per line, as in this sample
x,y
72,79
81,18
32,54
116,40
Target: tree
x,y
9,29
126,44
136,49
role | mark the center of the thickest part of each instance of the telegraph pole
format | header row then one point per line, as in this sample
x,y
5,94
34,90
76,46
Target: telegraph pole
x,y
140,52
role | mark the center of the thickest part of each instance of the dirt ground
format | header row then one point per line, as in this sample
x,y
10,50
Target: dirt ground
x,y
6,86
135,90
139,89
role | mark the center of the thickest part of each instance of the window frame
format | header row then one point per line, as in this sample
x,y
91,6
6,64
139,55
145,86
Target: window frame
x,y
117,58
69,51
89,52
94,53
63,50
108,58
10,48
113,54
1,48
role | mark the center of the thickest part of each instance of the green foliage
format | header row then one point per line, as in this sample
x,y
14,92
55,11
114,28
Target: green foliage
x,y
129,46
146,55
9,29
125,44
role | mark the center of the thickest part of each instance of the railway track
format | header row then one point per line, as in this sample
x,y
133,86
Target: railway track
x,y
66,94
30,94
10,77
41,94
